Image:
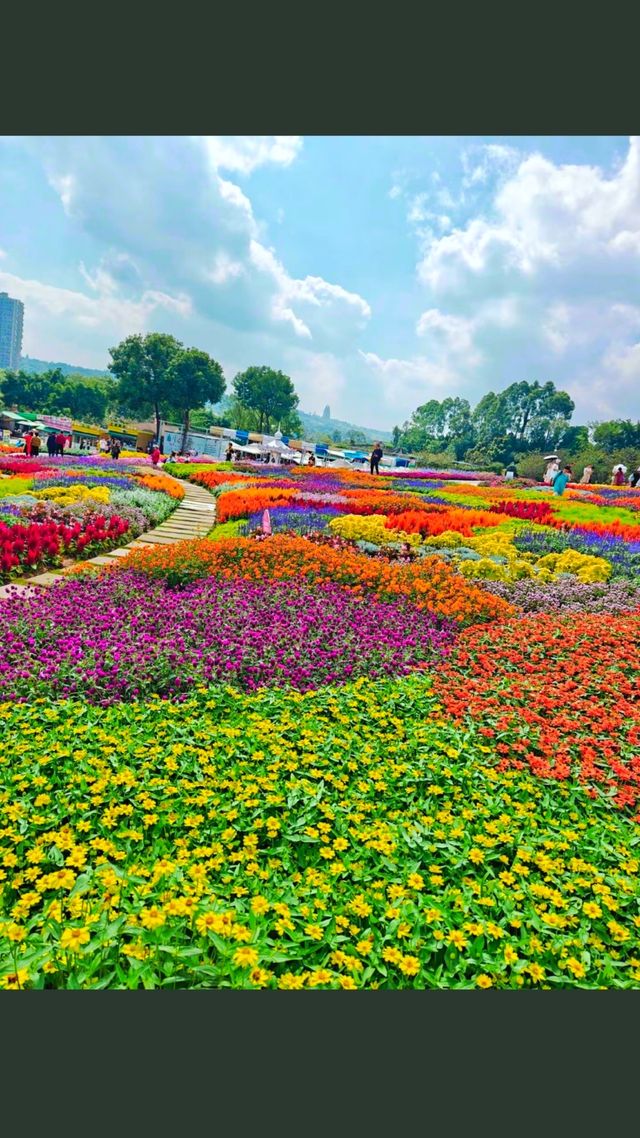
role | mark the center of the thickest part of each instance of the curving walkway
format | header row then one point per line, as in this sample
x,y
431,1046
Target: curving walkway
x,y
194,517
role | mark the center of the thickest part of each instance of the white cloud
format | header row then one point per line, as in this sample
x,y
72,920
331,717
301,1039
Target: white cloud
x,y
163,204
406,382
245,154
52,313
539,287
395,191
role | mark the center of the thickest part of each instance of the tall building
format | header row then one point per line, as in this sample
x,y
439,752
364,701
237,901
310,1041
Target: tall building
x,y
11,318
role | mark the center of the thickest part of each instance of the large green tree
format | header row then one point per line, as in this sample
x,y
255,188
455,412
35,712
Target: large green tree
x,y
193,379
141,364
615,434
268,393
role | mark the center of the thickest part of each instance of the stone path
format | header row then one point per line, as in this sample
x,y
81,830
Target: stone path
x,y
194,517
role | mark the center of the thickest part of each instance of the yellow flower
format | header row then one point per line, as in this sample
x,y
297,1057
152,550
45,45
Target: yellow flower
x,y
260,977
364,947
12,981
576,968
476,856
152,918
314,931
458,939
392,955
290,982
73,939
591,909
510,955
320,976
260,906
484,981
410,965
536,972
347,982
415,881
16,933
245,957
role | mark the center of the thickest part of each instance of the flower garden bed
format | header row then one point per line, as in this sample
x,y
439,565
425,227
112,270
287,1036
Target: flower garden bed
x,y
387,736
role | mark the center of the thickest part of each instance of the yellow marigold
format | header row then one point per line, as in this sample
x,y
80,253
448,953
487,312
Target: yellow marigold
x,y
245,957
73,939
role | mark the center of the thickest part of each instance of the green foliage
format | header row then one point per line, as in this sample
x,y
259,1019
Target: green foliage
x,y
53,393
269,395
194,378
616,435
141,366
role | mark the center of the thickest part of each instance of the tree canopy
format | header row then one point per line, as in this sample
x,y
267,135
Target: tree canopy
x,y
269,394
141,365
54,393
193,378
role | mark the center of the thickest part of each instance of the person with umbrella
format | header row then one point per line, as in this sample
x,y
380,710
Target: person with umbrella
x,y
618,474
553,468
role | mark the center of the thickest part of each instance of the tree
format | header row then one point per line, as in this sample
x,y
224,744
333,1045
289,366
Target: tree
x,y
141,365
201,419
270,394
615,434
194,379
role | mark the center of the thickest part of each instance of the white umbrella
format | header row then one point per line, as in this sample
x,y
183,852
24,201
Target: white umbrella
x,y
550,457
620,466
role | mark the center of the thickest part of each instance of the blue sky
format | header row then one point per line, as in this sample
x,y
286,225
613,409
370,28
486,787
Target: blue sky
x,y
378,272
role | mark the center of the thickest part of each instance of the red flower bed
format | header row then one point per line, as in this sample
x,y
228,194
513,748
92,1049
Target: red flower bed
x,y
530,511
440,520
21,466
557,694
24,547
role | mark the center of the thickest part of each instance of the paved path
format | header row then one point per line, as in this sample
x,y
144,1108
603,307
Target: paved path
x,y
194,517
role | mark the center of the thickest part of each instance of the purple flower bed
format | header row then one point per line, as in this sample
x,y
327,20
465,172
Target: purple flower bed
x,y
297,519
44,480
123,637
569,595
623,555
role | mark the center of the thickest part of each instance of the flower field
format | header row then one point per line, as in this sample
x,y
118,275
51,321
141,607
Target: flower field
x,y
386,735
56,510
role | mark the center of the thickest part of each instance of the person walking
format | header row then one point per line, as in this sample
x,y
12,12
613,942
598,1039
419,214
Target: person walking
x,y
35,444
155,455
51,443
552,469
634,477
618,475
376,455
586,476
60,444
229,455
28,440
560,481
115,449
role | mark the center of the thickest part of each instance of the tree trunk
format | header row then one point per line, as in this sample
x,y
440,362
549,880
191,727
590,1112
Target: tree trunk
x,y
185,430
156,409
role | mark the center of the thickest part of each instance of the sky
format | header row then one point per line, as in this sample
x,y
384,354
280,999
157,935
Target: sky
x,y
378,272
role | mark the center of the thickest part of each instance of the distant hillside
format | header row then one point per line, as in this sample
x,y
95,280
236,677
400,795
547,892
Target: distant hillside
x,y
34,367
318,427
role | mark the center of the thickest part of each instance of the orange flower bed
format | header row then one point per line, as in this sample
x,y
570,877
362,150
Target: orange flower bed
x,y
430,583
212,478
241,503
162,483
432,523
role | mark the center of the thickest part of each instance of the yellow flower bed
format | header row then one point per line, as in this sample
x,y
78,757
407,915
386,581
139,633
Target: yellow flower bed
x,y
69,495
356,527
